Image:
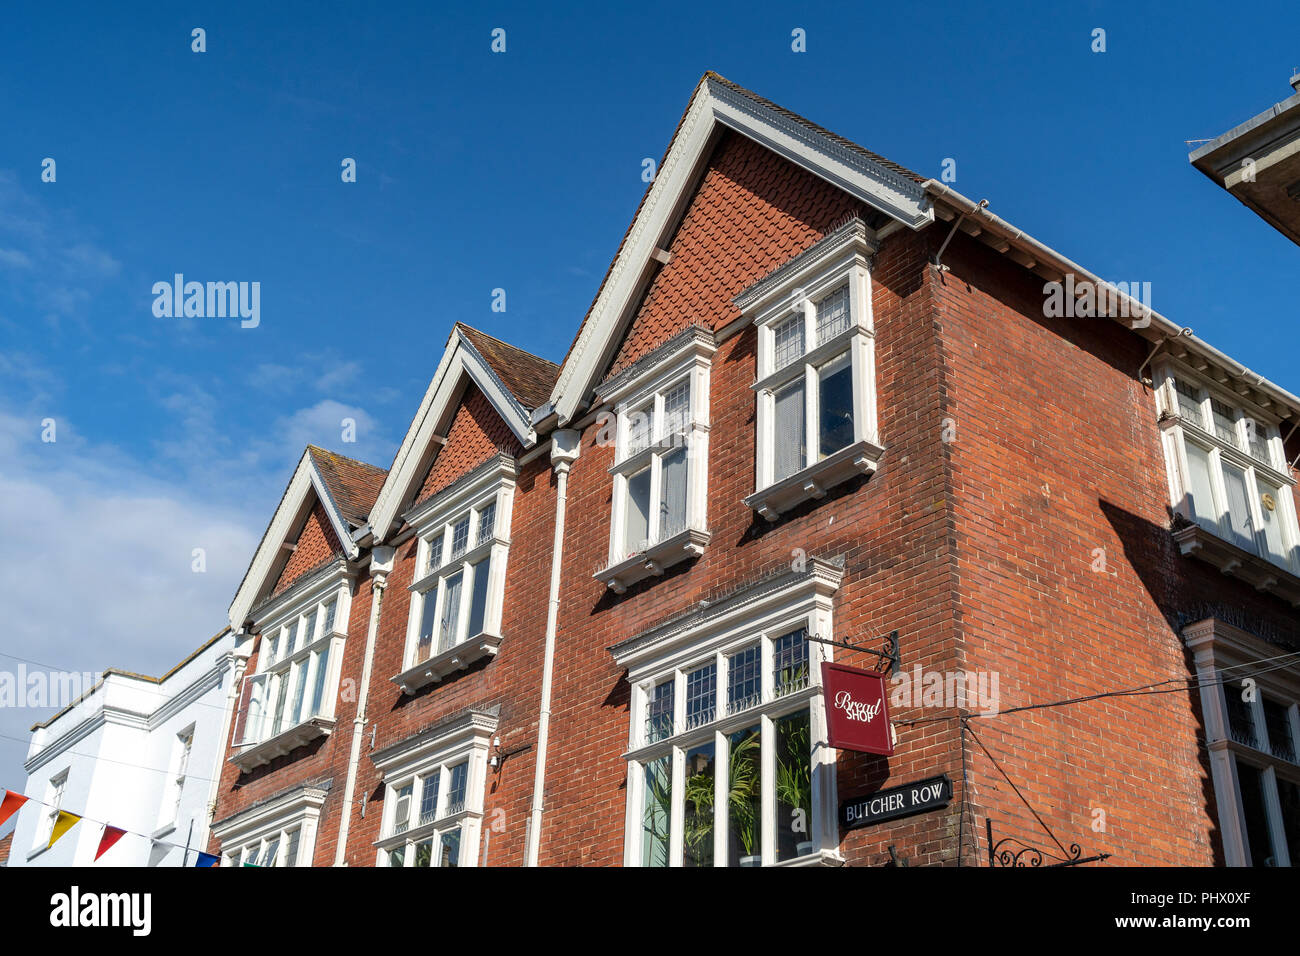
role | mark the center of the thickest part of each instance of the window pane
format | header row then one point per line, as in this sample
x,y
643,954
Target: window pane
x,y
1200,492
424,853
459,776
636,521
1241,720
309,634
638,429
1224,424
450,611
790,662
701,695
429,798
1189,402
833,315
256,709
1288,794
291,639
291,849
478,599
449,851
835,405
487,522
1277,720
1239,523
428,624
402,809
1257,440
330,608
788,341
299,678
744,679
459,538
659,712
697,838
788,430
657,812
1252,804
672,503
396,857
272,849
677,403
322,671
282,690
793,786
1270,506
744,799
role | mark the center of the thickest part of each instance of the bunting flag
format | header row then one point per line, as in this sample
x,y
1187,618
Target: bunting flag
x,y
64,822
9,806
111,836
207,859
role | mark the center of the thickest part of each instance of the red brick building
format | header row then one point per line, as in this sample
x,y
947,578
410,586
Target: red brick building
x,y
818,399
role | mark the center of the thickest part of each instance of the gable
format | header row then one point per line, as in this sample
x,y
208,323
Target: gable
x,y
477,433
752,212
316,543
717,106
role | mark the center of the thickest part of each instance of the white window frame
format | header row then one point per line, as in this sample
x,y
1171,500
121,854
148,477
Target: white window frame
x,y
435,753
55,789
246,836
1178,431
633,394
1219,651
174,791
258,737
796,290
773,609
435,521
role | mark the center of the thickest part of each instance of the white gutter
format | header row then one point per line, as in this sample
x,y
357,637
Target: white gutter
x,y
565,445
381,563
1060,263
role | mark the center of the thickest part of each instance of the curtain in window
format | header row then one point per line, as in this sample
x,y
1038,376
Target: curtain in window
x,y
672,505
450,611
1199,492
1234,480
636,520
788,431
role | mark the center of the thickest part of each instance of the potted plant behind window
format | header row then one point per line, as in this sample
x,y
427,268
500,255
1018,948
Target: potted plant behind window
x,y
794,783
744,787
698,830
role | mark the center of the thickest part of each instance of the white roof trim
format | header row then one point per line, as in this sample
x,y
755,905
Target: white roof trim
x,y
293,508
460,361
715,106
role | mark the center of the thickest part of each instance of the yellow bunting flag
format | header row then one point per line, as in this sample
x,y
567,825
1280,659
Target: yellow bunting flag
x,y
62,824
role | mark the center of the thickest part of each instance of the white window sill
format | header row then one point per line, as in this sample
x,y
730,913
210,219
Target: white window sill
x,y
453,659
860,458
816,858
1261,573
655,559
421,833
282,743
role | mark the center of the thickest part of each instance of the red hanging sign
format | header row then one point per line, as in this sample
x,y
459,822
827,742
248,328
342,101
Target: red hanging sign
x,y
857,715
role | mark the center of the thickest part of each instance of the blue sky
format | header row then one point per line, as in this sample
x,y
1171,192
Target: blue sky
x,y
479,171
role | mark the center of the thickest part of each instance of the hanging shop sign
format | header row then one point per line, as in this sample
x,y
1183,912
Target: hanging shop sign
x,y
929,794
857,715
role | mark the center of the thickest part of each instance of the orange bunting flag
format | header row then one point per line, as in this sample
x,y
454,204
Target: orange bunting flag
x,y
9,806
64,822
111,836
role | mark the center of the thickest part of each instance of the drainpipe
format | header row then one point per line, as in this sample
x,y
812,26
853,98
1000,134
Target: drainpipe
x,y
381,562
565,445
237,661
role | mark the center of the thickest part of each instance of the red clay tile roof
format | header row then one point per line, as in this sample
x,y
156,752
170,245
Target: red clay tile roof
x,y
352,484
529,378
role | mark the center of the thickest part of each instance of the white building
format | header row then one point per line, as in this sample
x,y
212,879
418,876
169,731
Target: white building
x,y
138,753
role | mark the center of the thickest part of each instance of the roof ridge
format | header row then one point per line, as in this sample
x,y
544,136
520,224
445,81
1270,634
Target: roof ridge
x,y
338,454
489,335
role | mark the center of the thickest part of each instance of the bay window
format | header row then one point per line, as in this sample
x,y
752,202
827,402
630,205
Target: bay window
x,y
1228,477
660,471
434,784
457,596
273,833
815,391
725,767
290,699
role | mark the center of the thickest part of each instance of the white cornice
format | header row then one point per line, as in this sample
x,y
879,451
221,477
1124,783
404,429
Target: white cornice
x,y
272,814
714,107
434,744
461,362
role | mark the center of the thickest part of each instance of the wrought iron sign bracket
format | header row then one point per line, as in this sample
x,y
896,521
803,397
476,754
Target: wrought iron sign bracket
x,y
1012,852
890,654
